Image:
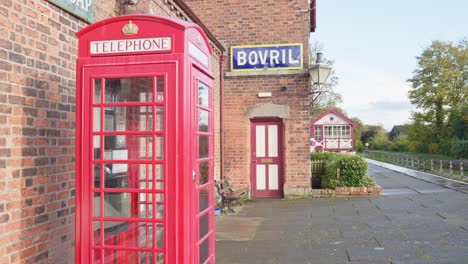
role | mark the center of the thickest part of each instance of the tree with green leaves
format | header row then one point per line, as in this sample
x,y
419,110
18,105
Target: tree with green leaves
x,y
419,133
439,86
357,132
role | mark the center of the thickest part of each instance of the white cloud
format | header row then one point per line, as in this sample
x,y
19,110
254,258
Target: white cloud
x,y
373,95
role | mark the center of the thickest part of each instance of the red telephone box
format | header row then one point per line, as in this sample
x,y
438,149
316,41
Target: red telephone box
x,y
144,174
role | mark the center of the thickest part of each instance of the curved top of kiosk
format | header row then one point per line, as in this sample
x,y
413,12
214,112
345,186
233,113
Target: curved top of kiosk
x,y
117,36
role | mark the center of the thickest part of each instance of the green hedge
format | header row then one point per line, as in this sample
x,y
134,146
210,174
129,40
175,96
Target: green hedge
x,y
322,155
330,178
455,147
353,171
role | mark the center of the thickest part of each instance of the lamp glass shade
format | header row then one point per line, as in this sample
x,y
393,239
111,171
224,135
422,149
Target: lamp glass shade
x,y
319,73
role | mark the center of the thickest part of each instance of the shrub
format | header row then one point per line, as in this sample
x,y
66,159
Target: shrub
x,y
389,146
445,146
459,148
432,148
353,172
454,147
412,146
368,181
401,144
380,141
322,155
330,178
359,146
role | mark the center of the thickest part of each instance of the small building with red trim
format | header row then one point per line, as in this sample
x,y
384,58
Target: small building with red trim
x,y
331,131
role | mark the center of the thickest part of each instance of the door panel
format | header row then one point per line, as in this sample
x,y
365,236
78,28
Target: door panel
x,y
260,141
261,177
273,141
203,183
267,161
273,177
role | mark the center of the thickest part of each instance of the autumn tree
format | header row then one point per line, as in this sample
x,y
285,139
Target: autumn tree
x,y
439,86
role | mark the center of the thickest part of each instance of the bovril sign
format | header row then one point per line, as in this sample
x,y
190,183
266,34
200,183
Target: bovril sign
x,y
266,57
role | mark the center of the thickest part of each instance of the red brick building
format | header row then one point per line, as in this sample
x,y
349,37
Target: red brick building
x,y
273,95
38,49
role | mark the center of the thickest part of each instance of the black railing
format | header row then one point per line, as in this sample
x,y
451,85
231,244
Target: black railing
x,y
446,168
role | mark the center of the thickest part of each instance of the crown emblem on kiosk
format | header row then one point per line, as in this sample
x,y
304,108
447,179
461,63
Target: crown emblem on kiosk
x,y
130,29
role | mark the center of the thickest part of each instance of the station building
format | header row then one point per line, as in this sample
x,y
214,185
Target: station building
x,y
265,102
261,106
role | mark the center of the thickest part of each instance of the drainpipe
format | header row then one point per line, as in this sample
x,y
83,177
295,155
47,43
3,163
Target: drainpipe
x,y
223,60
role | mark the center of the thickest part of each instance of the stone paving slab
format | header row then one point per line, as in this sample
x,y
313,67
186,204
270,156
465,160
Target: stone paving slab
x,y
425,223
246,228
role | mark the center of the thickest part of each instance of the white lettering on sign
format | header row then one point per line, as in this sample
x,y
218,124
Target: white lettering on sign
x,y
83,4
242,58
80,8
130,45
266,57
198,54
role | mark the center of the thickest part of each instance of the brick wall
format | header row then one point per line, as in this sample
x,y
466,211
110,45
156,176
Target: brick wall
x,y
170,8
37,102
38,50
240,22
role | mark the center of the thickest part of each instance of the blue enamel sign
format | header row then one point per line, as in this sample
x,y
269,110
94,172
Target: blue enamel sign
x,y
266,57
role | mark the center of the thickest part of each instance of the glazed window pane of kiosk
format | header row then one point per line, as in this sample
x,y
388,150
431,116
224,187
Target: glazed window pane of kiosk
x,y
129,90
205,180
125,203
145,147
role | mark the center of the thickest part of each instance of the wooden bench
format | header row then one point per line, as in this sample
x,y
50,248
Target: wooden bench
x,y
228,195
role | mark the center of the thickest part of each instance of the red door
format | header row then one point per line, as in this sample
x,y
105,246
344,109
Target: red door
x,y
128,197
203,172
267,158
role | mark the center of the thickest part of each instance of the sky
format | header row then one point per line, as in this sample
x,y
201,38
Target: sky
x,y
374,44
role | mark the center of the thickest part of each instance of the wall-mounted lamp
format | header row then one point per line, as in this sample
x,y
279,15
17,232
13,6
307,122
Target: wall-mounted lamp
x,y
318,71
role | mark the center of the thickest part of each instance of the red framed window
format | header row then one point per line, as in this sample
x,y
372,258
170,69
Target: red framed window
x,y
204,161
128,189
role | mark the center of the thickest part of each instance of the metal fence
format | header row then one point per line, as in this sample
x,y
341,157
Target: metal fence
x,y
445,168
317,166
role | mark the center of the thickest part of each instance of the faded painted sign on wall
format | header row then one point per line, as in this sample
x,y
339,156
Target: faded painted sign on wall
x,y
80,8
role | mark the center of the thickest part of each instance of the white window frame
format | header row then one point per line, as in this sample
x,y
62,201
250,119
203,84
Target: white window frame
x,y
336,131
319,130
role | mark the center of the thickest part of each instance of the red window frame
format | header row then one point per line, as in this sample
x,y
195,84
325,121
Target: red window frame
x,y
201,79
123,252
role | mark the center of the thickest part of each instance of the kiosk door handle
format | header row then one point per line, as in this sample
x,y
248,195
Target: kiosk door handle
x,y
193,176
